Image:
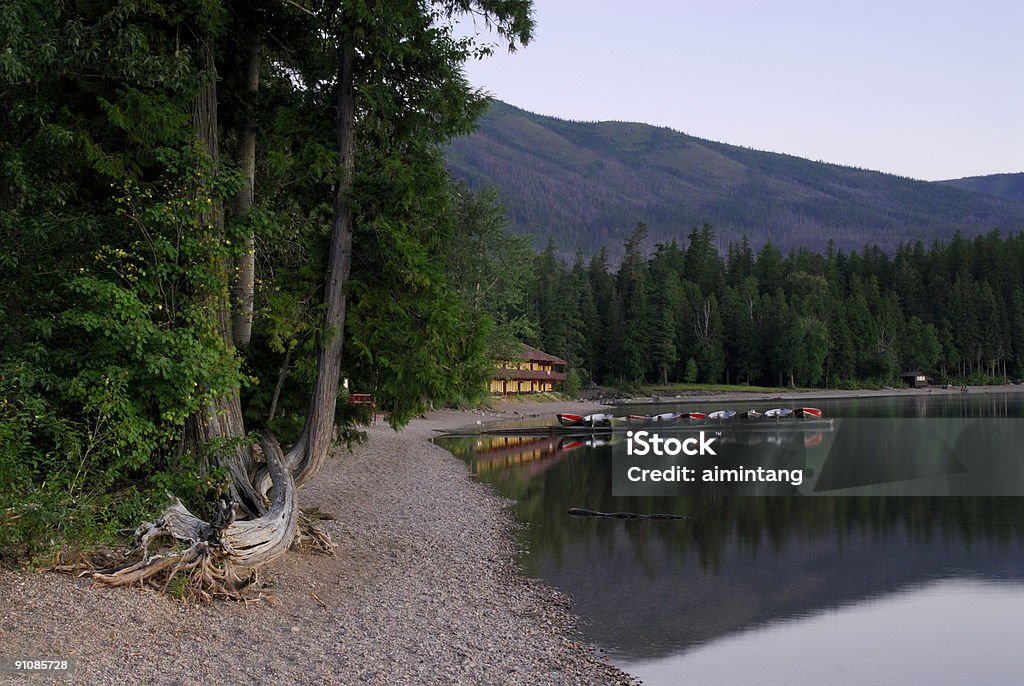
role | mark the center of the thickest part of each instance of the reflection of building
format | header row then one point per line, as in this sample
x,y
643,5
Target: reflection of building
x,y
499,452
533,372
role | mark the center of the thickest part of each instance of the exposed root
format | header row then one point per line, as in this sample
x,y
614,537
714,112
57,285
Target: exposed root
x,y
197,573
311,535
83,563
220,557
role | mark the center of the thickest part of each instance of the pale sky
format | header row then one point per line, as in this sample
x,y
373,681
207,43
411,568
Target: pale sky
x,y
930,90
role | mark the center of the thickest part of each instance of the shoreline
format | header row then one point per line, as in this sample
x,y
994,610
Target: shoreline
x,y
424,588
818,394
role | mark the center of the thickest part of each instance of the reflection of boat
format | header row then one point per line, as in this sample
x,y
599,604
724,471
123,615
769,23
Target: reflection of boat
x,y
793,435
572,442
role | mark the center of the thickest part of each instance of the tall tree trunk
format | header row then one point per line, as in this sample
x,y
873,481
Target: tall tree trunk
x,y
219,548
308,454
245,264
218,424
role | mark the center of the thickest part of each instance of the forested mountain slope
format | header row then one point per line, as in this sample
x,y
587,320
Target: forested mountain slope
x,y
587,184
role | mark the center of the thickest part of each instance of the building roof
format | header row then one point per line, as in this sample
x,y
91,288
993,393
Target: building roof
x,y
533,355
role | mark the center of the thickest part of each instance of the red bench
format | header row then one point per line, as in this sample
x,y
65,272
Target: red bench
x,y
364,399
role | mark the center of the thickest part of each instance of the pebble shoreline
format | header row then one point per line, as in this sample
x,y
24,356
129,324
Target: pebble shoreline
x,y
423,589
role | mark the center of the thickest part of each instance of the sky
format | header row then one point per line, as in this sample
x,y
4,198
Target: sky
x,y
929,90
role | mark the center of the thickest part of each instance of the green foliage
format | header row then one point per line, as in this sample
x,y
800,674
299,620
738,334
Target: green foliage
x,y
692,372
117,267
955,311
571,385
489,268
62,479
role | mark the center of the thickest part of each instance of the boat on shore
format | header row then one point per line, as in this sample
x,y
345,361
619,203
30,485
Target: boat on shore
x,y
576,420
785,418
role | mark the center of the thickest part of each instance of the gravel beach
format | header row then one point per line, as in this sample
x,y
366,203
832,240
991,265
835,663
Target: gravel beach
x,y
423,589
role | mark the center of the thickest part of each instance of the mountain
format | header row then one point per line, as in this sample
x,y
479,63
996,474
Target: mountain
x,y
587,184
1007,186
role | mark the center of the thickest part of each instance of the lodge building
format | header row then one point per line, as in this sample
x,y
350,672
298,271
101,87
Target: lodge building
x,y
532,372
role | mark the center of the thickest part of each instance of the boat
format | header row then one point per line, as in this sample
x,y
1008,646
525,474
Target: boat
x,y
629,420
666,417
749,414
778,412
722,414
808,412
696,415
567,419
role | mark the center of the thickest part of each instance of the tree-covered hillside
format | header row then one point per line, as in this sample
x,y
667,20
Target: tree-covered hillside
x,y
1007,186
584,183
954,310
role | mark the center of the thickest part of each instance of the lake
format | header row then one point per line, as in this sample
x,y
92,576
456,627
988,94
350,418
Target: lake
x,y
782,589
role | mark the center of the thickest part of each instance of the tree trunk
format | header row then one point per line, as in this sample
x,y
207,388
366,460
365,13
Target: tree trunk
x,y
220,547
217,431
245,265
308,454
220,419
281,376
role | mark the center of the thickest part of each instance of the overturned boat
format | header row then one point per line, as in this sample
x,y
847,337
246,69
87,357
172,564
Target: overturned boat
x,y
576,420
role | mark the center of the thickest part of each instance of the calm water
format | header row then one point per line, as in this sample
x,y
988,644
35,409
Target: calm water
x,y
782,589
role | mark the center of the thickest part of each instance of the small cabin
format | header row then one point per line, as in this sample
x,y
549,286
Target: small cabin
x,y
534,371
915,379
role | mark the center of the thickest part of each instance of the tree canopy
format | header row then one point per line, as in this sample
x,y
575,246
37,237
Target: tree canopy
x,y
213,212
678,312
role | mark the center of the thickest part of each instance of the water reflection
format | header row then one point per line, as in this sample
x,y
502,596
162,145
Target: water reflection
x,y
801,579
948,632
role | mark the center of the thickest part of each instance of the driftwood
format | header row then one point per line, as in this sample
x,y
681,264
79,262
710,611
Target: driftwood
x,y
581,512
222,555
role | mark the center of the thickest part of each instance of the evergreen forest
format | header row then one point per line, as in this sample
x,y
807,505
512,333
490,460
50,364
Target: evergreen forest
x,y
683,312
